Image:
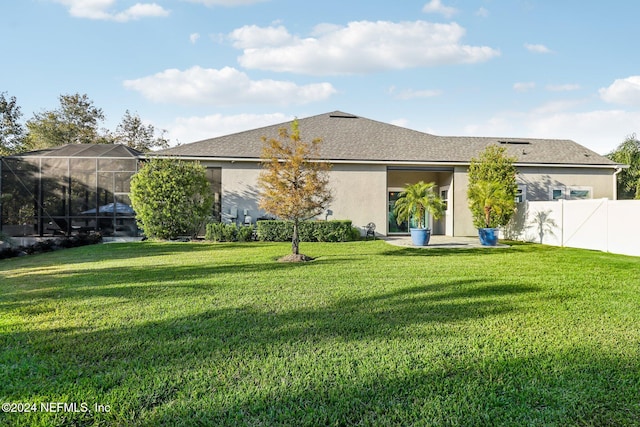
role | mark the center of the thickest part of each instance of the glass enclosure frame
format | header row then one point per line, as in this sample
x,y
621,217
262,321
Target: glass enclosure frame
x,y
64,196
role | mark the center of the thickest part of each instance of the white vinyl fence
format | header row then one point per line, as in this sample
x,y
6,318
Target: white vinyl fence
x,y
601,224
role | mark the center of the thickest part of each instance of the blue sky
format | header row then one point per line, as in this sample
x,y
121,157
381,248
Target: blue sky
x,y
204,68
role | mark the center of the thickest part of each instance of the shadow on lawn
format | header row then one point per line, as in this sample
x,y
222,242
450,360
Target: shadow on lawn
x,y
248,329
567,388
147,366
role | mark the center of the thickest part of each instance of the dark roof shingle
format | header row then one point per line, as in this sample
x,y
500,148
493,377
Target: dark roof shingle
x,y
346,137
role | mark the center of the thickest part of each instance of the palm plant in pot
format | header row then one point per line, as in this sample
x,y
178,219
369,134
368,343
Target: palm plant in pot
x,y
492,207
491,192
414,202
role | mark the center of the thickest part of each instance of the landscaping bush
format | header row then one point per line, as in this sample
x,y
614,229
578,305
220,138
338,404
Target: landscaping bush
x,y
355,234
219,232
310,231
50,245
171,198
245,233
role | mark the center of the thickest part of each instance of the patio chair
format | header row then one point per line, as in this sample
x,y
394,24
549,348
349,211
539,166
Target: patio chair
x,y
370,231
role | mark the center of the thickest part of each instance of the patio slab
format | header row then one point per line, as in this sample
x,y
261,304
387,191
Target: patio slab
x,y
441,242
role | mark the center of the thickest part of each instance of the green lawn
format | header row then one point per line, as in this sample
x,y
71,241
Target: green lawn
x,y
368,334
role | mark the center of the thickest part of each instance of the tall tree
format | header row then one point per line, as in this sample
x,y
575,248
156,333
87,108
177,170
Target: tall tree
x,y
133,133
628,153
11,130
293,182
76,121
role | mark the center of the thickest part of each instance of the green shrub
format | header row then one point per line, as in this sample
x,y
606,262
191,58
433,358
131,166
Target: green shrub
x,y
230,233
355,234
245,233
219,232
310,231
213,231
171,198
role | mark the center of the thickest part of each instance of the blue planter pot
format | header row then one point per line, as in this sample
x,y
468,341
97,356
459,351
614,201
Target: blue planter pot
x,y
420,236
488,236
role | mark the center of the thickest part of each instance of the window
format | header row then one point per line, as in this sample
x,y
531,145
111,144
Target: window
x,y
521,193
444,195
556,193
570,193
579,193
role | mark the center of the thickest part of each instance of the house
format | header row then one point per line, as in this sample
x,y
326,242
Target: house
x,y
372,161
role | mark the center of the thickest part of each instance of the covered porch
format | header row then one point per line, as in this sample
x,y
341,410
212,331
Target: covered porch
x,y
399,176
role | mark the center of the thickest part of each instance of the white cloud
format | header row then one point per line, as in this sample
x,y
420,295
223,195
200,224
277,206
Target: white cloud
x,y
190,129
228,3
558,106
360,47
251,35
102,10
400,122
524,86
408,94
623,91
193,38
436,6
600,130
228,86
563,88
537,48
482,12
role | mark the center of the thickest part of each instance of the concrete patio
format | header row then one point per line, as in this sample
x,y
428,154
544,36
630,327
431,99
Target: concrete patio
x,y
441,242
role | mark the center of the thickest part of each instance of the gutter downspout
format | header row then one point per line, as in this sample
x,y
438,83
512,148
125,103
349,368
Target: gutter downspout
x,y
615,182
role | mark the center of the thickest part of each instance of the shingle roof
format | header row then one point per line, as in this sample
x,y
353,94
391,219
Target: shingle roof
x,y
346,137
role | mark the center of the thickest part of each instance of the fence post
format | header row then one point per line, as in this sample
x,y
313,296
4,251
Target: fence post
x,y
561,223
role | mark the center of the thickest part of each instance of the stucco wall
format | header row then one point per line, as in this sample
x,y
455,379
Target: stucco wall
x,y
462,220
359,192
538,181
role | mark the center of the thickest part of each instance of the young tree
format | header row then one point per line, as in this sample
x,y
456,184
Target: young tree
x,y
76,121
492,188
171,198
133,133
11,130
628,153
293,182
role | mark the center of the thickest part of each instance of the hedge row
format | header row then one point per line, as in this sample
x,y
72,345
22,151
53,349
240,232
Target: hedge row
x,y
220,232
309,231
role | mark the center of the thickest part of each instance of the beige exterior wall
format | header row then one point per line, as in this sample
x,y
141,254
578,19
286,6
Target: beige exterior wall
x,y
360,195
239,190
361,191
462,220
539,182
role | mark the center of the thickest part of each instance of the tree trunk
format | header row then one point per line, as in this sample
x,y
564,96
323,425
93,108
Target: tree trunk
x,y
487,216
295,240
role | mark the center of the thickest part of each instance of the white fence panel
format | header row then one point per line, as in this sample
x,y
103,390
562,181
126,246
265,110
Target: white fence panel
x,y
624,227
539,222
585,224
605,225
